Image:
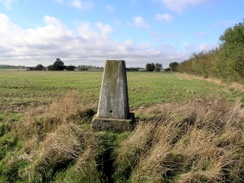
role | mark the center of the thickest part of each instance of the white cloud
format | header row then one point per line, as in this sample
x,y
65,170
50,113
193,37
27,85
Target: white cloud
x,y
8,3
90,44
105,29
109,8
195,48
128,45
145,46
82,4
207,47
179,5
140,22
164,17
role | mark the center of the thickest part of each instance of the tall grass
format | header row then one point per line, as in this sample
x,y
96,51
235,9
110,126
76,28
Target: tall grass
x,y
199,141
202,141
52,140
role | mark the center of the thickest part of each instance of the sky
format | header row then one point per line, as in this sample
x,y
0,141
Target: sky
x,y
88,32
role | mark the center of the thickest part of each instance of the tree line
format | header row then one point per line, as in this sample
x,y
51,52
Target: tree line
x,y
153,67
158,67
58,65
225,62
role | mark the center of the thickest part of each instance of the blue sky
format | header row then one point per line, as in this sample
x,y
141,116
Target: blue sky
x,y
91,31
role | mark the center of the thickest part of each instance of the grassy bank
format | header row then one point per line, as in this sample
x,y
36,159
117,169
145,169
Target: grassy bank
x,y
188,130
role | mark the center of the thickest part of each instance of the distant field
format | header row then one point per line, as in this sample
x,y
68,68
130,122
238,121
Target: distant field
x,y
22,89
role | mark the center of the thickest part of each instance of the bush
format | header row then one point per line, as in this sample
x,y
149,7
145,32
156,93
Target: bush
x,y
225,62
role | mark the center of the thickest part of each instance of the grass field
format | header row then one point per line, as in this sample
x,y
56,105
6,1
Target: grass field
x,y
20,90
188,130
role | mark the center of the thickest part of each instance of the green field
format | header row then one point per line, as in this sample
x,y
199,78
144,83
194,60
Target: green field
x,y
187,129
20,90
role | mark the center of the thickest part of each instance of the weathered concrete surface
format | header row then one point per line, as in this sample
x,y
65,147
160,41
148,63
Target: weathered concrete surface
x,y
113,108
112,124
113,102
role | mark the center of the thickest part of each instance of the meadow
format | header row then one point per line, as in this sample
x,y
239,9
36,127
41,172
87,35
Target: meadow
x,y
188,129
20,90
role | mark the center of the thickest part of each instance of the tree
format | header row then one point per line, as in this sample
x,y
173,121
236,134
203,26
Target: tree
x,y
58,65
232,41
132,69
70,68
82,68
167,69
232,48
39,67
150,67
158,67
50,68
173,66
233,36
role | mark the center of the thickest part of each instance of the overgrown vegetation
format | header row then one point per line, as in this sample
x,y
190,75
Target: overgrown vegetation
x,y
50,144
225,62
201,141
188,130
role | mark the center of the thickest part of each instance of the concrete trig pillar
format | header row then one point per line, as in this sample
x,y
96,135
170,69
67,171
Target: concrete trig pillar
x,y
113,108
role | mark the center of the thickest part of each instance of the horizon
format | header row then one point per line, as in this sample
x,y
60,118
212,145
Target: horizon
x,y
90,32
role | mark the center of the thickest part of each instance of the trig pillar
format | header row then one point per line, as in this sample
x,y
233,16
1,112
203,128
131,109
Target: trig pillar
x,y
113,108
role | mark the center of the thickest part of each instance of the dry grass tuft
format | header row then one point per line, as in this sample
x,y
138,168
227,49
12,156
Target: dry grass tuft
x,y
39,121
54,138
59,149
201,141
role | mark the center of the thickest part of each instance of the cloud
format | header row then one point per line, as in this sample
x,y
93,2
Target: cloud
x,y
109,8
82,4
90,44
140,22
207,47
105,29
164,17
8,3
179,5
193,47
